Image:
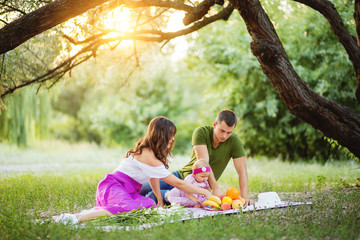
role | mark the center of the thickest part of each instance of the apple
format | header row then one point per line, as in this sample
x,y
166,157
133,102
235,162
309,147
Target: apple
x,y
225,206
237,203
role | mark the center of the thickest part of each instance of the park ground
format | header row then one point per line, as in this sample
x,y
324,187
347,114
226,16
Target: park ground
x,y
54,177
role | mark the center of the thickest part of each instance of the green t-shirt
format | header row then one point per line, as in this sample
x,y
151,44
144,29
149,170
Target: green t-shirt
x,y
220,156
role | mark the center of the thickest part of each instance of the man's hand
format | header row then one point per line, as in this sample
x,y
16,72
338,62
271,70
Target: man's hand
x,y
249,202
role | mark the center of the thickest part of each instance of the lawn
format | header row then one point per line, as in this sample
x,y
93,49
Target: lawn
x,y
54,178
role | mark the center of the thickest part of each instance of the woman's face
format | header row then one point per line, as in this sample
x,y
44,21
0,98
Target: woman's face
x,y
172,139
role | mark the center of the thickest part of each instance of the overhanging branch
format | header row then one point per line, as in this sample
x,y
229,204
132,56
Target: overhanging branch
x,y
94,42
349,42
42,19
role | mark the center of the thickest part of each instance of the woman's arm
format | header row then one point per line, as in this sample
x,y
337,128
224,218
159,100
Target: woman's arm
x,y
185,186
192,197
155,186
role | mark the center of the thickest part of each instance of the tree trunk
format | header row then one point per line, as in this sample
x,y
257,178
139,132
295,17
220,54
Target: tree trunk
x,y
44,18
334,121
357,26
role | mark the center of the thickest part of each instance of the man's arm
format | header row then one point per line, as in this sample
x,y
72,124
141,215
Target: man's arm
x,y
241,169
201,152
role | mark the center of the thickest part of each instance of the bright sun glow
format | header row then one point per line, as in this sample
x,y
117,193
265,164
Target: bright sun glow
x,y
176,23
120,21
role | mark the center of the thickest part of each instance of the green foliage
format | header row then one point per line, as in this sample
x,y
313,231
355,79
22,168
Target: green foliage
x,y
105,102
26,117
26,113
221,58
280,176
117,110
30,60
335,145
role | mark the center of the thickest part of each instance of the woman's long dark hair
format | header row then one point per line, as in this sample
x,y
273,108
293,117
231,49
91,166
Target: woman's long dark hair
x,y
160,131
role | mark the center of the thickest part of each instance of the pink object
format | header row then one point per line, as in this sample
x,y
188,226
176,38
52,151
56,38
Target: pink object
x,y
202,169
176,196
118,192
210,208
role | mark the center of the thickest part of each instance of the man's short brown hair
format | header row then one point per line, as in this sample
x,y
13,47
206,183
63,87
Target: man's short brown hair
x,y
228,116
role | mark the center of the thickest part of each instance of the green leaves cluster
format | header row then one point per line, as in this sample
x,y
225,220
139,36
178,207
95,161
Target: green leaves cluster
x,y
26,118
222,59
103,104
104,101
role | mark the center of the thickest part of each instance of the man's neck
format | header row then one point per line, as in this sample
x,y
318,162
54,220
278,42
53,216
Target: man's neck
x,y
215,142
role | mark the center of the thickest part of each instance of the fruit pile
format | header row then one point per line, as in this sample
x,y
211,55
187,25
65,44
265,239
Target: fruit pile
x,y
231,200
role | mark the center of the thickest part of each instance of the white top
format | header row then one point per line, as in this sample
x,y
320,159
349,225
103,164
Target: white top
x,y
140,171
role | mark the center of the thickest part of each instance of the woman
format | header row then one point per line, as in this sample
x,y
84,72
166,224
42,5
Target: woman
x,y
119,191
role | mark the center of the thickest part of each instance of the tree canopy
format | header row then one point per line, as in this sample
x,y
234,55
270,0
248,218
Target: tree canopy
x,y
332,119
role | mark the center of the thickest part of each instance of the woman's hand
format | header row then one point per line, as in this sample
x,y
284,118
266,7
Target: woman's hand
x,y
217,192
160,203
208,194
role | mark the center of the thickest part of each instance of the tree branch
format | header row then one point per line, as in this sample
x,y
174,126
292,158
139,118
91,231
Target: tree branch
x,y
55,73
198,12
349,42
13,9
357,19
54,13
96,41
158,3
333,120
44,18
150,35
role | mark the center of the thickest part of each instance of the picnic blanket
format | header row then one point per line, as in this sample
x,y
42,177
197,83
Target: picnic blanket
x,y
200,212
266,201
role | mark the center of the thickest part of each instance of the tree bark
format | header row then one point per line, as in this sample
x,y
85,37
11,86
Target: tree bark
x,y
357,25
44,18
334,121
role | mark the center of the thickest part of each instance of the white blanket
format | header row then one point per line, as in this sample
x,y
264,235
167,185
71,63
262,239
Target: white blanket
x,y
200,213
267,200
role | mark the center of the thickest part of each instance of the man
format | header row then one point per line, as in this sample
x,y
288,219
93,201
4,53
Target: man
x,y
215,144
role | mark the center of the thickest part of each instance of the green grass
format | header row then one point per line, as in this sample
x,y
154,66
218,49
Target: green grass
x,y
69,175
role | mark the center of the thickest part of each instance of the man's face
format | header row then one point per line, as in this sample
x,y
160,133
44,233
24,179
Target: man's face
x,y
222,131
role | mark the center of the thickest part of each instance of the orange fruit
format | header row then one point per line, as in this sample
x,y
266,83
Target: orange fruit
x,y
227,199
233,192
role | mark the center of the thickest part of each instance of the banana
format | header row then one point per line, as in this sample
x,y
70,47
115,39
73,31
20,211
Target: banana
x,y
211,203
215,199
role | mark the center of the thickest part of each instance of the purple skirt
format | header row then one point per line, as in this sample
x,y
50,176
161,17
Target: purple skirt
x,y
118,192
